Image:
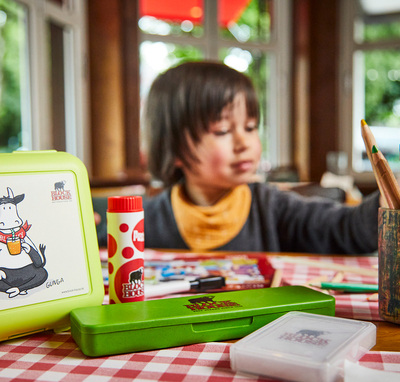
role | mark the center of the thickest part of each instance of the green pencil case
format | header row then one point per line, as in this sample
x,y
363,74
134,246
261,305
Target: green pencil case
x,y
156,324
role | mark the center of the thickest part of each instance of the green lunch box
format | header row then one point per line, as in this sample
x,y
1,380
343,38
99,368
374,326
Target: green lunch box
x,y
156,324
47,212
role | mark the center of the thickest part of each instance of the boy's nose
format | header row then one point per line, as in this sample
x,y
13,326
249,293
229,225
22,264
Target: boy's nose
x,y
240,141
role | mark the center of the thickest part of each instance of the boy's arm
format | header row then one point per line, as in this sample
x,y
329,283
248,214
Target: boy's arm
x,y
317,225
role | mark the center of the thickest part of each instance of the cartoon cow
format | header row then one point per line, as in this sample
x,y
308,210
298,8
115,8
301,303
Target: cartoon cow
x,y
22,268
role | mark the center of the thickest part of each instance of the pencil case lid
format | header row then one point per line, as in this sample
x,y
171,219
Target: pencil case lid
x,y
196,309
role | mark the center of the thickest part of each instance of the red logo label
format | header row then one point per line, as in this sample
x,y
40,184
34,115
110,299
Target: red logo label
x,y
60,195
129,281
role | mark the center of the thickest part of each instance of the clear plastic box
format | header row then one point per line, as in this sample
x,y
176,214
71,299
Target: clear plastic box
x,y
303,347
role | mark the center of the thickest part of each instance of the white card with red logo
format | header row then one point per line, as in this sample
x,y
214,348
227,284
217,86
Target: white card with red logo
x,y
42,248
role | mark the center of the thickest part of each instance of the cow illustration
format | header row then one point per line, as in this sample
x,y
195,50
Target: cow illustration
x,y
135,277
59,186
200,300
21,263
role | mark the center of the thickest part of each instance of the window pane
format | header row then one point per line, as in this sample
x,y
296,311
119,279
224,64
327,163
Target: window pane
x,y
382,103
377,31
382,87
171,17
244,20
257,66
12,67
157,57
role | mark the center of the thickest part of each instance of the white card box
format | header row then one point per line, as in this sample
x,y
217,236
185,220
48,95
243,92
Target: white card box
x,y
303,347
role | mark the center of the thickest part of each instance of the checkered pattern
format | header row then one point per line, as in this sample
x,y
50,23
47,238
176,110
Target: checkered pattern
x,y
348,305
387,361
55,357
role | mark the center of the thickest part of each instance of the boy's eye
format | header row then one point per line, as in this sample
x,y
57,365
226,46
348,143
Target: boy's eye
x,y
251,127
221,132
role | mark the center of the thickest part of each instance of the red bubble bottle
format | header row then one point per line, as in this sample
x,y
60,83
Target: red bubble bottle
x,y
125,244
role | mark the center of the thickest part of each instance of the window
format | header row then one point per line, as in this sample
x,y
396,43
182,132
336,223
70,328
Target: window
x,y
13,75
370,87
251,36
43,82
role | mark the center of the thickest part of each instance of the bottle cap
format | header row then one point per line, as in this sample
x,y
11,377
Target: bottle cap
x,y
125,204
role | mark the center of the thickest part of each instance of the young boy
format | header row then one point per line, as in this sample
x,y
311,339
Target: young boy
x,y
202,120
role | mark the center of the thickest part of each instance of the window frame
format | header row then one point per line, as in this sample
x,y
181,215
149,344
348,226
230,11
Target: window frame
x,y
350,98
279,118
72,18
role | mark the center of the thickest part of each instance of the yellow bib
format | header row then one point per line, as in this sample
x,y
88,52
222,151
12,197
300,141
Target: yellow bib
x,y
205,228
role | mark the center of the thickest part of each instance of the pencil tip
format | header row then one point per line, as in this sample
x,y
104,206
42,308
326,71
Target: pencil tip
x,y
374,149
363,123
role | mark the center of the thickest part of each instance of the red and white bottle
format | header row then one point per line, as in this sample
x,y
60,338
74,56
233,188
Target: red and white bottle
x,y
125,244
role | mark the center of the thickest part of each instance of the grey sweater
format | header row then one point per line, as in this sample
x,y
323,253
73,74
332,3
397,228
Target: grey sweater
x,y
280,221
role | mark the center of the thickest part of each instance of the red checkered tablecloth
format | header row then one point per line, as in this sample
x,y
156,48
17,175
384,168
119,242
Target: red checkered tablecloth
x,y
56,357
357,305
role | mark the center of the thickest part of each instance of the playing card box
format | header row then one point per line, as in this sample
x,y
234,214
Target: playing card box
x,y
303,347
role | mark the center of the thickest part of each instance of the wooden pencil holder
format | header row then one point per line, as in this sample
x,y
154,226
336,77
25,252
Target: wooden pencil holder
x,y
389,264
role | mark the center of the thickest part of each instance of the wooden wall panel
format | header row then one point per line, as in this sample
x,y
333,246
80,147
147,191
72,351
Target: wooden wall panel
x,y
324,69
107,106
315,85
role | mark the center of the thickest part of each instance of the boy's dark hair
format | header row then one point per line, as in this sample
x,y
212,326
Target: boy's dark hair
x,y
185,100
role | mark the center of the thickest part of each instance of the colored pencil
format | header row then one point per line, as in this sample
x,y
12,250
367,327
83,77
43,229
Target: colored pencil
x,y
369,142
373,297
348,287
386,178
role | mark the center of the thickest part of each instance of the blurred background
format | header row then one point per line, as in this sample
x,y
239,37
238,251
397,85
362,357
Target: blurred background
x,y
74,75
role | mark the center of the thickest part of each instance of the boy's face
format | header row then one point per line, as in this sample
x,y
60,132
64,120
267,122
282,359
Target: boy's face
x,y
228,154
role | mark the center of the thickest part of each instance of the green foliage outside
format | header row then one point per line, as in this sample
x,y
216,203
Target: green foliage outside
x,y
377,32
382,88
257,17
382,82
184,52
11,37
